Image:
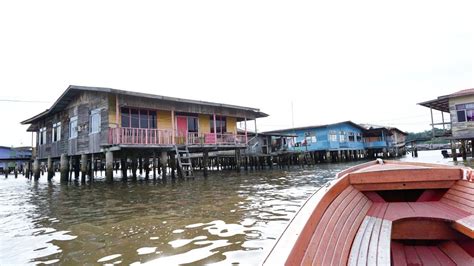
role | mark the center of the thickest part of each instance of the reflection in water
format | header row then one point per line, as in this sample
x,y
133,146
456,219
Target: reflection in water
x,y
227,218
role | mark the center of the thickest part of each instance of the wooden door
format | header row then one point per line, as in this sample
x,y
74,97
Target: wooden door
x,y
182,126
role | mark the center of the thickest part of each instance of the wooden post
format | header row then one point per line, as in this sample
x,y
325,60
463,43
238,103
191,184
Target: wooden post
x,y
6,170
134,167
154,165
83,167
109,166
64,167
50,168
92,168
246,137
124,166
453,151
205,162
15,170
215,128
146,167
237,160
463,150
140,165
172,164
164,164
472,148
432,123
36,169
173,128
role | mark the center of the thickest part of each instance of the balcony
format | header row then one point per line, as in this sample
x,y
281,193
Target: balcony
x,y
147,136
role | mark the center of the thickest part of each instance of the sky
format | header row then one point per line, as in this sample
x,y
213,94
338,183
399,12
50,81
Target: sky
x,y
301,62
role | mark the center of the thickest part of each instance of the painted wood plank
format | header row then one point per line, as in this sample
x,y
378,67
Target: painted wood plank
x,y
357,243
427,229
373,242
425,209
342,257
383,253
461,194
431,195
457,202
426,256
292,246
404,185
462,198
398,254
442,258
465,183
315,241
356,203
325,237
465,226
464,189
364,245
398,210
412,256
450,208
456,253
410,175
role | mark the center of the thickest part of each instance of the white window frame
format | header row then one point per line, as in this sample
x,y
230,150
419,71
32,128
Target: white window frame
x,y
76,131
95,113
56,132
343,136
332,136
42,136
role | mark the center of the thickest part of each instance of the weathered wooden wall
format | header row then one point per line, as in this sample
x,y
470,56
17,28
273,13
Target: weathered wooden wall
x,y
460,129
80,106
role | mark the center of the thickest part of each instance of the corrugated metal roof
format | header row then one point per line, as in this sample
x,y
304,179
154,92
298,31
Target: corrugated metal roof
x,y
442,102
74,90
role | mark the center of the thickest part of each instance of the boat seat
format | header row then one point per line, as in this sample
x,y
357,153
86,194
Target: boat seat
x,y
372,243
461,197
445,253
332,238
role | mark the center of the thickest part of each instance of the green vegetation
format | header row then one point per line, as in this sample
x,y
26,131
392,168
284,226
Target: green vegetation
x,y
426,135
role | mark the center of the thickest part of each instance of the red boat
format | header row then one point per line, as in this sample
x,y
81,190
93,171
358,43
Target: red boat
x,y
384,213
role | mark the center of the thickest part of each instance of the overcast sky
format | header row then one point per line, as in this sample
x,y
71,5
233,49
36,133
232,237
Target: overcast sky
x,y
365,61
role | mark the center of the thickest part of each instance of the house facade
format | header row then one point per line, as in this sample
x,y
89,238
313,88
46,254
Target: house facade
x,y
384,141
88,120
11,157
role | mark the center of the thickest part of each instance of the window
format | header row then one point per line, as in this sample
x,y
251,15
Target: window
x,y
56,134
351,136
125,115
332,136
73,128
138,118
193,124
94,121
465,112
220,124
342,136
42,136
309,138
134,118
359,137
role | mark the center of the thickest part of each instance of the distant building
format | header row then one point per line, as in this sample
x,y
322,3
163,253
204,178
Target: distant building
x,y
388,141
460,109
11,157
344,139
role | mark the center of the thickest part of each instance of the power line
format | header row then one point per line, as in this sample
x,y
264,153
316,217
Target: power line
x,y
21,101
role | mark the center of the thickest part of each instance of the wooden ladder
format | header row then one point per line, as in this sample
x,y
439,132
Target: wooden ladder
x,y
184,162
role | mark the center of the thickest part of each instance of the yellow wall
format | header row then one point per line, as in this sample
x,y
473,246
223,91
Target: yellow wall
x,y
164,120
204,124
461,100
231,125
112,122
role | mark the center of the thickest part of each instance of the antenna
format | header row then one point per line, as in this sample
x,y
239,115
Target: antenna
x,y
292,116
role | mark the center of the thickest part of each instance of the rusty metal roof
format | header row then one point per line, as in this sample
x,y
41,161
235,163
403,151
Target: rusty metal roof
x,y
442,102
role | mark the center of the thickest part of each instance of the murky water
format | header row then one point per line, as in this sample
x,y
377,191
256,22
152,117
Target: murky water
x,y
226,218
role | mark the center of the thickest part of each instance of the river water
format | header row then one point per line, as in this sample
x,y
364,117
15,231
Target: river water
x,y
227,218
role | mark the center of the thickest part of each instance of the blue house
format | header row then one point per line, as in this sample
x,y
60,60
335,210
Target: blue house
x,y
384,141
333,142
11,157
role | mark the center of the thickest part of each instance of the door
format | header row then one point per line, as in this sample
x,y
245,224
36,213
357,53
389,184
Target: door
x,y
182,128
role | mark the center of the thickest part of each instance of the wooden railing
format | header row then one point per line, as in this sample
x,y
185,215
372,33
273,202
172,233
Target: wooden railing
x,y
141,136
146,136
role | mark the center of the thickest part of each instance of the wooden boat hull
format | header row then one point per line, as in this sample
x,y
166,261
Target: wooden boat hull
x,y
382,213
